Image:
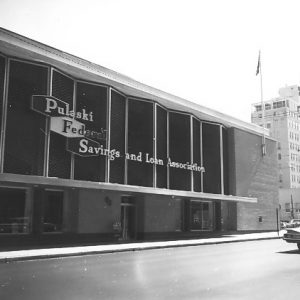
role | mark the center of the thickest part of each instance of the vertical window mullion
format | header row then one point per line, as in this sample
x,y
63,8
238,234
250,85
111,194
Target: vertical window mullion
x,y
126,142
192,151
201,156
72,169
154,143
221,161
168,149
47,126
108,118
4,112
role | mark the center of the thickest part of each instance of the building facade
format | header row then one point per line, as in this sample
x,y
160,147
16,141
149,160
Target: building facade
x,y
281,117
90,155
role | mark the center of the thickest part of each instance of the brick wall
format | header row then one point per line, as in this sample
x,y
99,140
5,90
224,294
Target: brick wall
x,y
254,175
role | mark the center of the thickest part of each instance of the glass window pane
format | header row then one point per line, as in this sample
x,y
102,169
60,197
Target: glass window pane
x,y
180,150
117,137
225,161
59,157
197,154
161,147
211,158
201,215
25,128
13,213
140,142
92,99
53,211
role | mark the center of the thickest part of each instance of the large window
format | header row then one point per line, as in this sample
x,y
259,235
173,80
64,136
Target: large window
x,y
168,151
140,143
59,158
180,150
225,161
14,213
197,154
25,129
211,158
92,99
161,147
117,137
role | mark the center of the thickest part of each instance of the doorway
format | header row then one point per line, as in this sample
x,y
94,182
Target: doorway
x,y
128,218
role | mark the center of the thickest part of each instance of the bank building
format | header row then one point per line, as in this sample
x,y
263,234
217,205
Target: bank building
x,y
88,155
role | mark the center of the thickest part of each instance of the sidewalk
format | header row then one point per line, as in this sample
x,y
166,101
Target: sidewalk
x,y
10,256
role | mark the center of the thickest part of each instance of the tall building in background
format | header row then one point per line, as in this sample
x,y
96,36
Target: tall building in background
x,y
281,117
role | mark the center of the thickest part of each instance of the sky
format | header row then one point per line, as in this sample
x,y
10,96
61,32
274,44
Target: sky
x,y
205,51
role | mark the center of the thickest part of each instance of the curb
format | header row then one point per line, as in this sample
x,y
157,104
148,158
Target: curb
x,y
38,254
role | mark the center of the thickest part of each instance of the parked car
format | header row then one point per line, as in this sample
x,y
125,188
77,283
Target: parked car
x,y
292,235
283,224
293,223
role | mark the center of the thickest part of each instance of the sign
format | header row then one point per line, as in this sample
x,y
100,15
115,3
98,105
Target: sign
x,y
77,146
53,107
64,121
67,127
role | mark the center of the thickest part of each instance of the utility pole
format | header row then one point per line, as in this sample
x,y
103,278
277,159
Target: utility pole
x,y
292,207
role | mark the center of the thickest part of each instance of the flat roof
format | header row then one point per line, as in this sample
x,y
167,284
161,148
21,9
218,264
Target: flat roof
x,y
13,44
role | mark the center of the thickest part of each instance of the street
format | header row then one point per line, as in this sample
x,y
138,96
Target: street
x,y
243,270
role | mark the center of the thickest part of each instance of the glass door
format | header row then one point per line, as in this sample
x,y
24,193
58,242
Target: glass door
x,y
201,215
128,219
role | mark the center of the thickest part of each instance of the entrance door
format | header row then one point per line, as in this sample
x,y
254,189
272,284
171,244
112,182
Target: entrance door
x,y
200,215
128,218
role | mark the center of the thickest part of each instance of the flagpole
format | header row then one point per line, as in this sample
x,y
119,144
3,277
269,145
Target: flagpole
x,y
263,146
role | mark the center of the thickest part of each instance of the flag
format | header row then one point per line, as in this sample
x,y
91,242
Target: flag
x,y
258,65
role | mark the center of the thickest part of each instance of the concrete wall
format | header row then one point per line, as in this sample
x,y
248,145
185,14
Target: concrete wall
x,y
97,211
254,175
160,214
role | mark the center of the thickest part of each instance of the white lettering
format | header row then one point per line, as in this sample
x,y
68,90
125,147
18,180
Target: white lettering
x,y
51,104
83,146
152,160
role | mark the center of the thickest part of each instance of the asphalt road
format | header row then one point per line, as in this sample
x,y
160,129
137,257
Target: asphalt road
x,y
245,270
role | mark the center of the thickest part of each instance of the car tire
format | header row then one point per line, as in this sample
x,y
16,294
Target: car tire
x,y
298,244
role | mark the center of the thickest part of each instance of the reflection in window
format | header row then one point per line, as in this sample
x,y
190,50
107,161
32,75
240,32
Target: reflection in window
x,y
201,215
24,127
53,211
13,216
140,142
180,150
211,158
59,158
